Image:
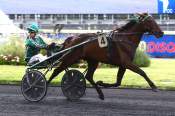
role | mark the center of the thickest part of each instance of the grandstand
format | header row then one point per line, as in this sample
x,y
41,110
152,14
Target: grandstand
x,y
80,14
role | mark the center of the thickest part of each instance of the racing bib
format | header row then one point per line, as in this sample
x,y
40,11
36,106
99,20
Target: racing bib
x,y
102,41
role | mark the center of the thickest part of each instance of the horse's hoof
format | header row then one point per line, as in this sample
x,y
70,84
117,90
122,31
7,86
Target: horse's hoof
x,y
116,85
101,97
100,83
155,90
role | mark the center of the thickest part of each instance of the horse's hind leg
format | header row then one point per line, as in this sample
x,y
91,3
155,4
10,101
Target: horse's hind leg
x,y
67,61
92,65
136,69
120,74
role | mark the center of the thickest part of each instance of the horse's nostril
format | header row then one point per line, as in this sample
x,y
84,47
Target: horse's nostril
x,y
162,33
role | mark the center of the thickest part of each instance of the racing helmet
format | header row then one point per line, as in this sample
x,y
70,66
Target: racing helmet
x,y
33,27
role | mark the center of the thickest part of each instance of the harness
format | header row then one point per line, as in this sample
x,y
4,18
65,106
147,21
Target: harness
x,y
111,42
110,46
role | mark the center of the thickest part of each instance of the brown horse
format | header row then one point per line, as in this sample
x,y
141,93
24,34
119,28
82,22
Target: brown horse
x,y
123,47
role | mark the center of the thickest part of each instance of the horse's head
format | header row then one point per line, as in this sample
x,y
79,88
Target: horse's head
x,y
150,25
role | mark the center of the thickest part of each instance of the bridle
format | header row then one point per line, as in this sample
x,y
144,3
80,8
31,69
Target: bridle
x,y
138,20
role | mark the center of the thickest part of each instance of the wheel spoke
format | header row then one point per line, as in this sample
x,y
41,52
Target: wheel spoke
x,y
78,85
38,79
27,89
28,80
67,87
39,86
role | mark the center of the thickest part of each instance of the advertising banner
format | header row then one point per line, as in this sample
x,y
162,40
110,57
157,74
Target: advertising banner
x,y
166,6
159,47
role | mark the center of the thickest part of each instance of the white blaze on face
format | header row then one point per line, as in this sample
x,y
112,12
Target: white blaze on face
x,y
165,5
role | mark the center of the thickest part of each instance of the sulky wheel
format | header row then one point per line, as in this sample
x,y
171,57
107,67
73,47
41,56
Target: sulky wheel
x,y
34,86
73,84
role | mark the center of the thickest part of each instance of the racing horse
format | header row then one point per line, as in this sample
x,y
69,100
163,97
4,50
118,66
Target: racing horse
x,y
124,43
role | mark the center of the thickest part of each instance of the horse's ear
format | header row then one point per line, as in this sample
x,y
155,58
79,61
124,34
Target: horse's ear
x,y
145,14
140,15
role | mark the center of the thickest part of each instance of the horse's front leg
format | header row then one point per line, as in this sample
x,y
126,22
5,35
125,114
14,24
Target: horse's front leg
x,y
121,72
139,71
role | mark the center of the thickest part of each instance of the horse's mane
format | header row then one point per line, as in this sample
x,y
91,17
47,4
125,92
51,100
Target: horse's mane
x,y
127,25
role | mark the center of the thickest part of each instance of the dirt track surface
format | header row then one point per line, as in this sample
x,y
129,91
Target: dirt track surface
x,y
118,102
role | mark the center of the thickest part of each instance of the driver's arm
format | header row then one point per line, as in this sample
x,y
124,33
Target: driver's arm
x,y
32,43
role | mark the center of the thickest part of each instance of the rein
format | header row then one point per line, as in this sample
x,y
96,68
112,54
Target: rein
x,y
134,33
125,33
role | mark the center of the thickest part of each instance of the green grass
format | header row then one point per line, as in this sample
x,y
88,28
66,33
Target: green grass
x,y
161,72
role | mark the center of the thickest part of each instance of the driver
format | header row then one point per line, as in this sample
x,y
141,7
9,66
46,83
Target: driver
x,y
33,44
